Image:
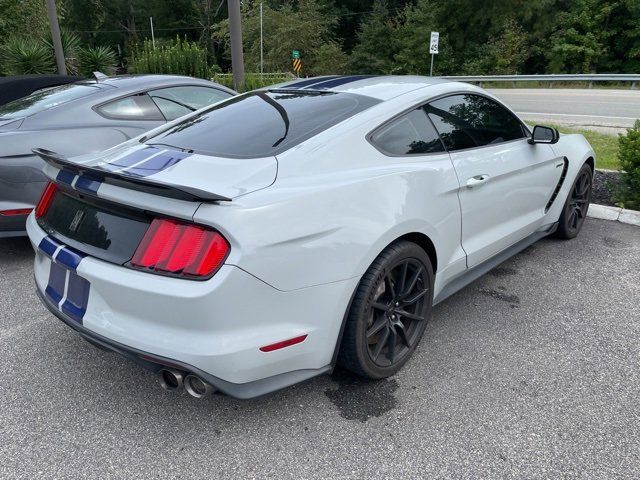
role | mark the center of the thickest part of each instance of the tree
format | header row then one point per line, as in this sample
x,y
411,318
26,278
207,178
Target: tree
x,y
303,27
377,43
22,17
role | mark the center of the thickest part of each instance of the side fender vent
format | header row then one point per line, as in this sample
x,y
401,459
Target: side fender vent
x,y
565,167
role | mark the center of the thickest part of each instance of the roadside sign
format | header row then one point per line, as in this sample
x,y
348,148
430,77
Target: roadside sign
x,y
433,45
297,63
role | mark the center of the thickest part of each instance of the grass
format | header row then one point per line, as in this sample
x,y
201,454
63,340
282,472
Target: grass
x,y
605,146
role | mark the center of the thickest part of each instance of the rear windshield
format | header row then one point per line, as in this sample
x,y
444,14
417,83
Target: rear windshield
x,y
44,99
264,123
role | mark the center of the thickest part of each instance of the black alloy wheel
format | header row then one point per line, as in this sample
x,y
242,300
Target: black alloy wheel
x,y
577,205
396,315
389,312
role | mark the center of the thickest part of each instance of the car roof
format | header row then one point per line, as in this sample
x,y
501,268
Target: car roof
x,y
146,81
382,87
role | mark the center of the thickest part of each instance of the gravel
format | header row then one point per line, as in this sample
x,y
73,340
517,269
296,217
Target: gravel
x,y
604,187
533,371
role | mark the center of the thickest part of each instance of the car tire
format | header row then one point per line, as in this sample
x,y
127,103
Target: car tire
x,y
389,312
575,208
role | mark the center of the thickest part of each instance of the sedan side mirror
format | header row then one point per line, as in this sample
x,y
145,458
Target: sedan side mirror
x,y
543,134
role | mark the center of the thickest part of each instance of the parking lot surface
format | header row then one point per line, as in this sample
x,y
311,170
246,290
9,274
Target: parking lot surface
x,y
533,371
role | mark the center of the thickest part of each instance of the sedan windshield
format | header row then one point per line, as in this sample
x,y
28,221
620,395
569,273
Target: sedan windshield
x,y
45,99
262,123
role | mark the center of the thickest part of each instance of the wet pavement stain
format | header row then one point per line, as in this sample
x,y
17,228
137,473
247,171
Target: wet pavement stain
x,y
503,272
360,399
615,243
513,300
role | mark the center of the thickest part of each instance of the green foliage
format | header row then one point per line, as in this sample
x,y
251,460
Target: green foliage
x,y
70,47
26,18
97,59
377,43
303,26
629,155
179,57
20,56
252,80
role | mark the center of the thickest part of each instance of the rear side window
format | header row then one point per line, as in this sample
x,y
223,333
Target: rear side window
x,y
134,107
410,134
175,102
262,123
45,99
466,121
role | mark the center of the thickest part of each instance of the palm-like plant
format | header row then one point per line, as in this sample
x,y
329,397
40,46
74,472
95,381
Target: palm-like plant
x,y
20,56
70,46
97,59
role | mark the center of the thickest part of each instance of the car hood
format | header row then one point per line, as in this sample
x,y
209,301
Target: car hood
x,y
226,177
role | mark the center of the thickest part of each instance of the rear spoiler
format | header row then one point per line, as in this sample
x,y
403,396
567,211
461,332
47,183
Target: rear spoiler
x,y
179,192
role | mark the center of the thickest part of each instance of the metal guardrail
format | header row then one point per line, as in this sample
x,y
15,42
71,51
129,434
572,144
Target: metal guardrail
x,y
569,77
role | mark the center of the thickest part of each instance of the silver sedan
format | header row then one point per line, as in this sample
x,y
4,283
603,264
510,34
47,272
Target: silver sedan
x,y
80,118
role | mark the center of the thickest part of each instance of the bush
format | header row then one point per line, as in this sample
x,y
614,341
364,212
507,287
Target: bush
x,y
180,58
97,59
252,81
22,56
629,155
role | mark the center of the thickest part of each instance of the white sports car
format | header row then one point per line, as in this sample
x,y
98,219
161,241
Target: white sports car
x,y
259,242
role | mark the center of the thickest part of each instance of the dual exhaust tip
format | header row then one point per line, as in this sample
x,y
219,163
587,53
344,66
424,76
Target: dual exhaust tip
x,y
171,379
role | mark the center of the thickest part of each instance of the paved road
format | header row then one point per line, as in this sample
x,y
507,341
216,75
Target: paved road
x,y
601,107
531,372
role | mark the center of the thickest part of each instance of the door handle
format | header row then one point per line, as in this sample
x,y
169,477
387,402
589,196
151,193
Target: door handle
x,y
477,180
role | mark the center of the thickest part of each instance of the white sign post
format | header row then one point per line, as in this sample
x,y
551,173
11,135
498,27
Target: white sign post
x,y
433,48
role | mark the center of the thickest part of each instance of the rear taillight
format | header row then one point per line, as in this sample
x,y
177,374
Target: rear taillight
x,y
16,211
180,248
45,200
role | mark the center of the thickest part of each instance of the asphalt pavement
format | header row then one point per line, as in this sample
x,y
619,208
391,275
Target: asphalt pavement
x,y
583,107
533,371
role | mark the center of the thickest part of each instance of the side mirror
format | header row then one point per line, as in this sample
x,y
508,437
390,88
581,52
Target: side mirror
x,y
544,135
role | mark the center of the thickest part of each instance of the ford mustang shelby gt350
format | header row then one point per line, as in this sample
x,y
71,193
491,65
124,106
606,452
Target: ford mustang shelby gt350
x,y
261,241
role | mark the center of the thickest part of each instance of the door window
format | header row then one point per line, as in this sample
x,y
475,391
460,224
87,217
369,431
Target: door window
x,y
467,121
134,107
175,102
410,134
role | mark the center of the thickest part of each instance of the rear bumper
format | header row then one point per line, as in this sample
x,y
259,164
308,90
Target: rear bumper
x,y
214,328
156,363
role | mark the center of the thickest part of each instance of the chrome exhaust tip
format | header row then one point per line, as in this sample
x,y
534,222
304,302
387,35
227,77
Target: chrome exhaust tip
x,y
196,387
171,379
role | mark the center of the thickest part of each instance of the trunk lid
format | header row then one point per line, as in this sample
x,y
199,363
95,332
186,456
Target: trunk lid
x,y
166,165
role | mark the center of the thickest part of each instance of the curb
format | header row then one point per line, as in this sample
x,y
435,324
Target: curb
x,y
622,215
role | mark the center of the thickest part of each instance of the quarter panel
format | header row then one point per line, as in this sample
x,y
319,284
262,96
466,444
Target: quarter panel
x,y
328,226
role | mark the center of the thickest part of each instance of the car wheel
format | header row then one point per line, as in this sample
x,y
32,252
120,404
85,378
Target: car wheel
x,y
577,204
389,312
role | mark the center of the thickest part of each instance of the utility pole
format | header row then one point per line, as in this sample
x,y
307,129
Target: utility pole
x,y
55,36
235,32
261,49
153,37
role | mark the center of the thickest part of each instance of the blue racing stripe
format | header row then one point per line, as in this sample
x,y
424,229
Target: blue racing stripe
x,y
338,81
69,258
158,163
130,159
65,176
311,81
49,246
55,287
77,299
88,183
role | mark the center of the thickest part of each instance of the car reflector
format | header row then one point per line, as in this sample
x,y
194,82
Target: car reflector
x,y
284,343
45,200
184,249
16,211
